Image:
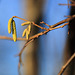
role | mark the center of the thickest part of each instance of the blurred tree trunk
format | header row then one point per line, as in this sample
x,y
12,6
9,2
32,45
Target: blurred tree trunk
x,y
33,13
70,47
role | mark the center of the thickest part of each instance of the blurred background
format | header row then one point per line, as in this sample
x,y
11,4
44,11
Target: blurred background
x,y
44,56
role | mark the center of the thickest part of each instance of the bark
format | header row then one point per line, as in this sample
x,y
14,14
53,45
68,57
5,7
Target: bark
x,y
70,47
33,13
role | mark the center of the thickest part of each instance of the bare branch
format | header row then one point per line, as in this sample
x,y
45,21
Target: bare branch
x,y
68,4
9,38
60,26
45,23
72,4
29,41
19,18
65,66
63,21
39,26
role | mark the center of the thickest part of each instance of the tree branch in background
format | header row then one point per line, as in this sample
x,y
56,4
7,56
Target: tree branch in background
x,y
66,65
72,3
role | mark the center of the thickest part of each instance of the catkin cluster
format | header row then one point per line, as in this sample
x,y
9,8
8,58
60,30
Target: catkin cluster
x,y
12,28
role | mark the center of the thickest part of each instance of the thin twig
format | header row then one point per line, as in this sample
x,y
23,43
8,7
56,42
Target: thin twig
x,y
44,32
39,26
9,38
72,4
45,23
63,21
31,22
29,41
19,18
68,4
65,66
20,59
19,64
67,16
60,26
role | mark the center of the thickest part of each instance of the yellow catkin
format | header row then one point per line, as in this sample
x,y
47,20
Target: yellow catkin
x,y
27,32
29,29
9,25
24,32
26,23
27,35
14,31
